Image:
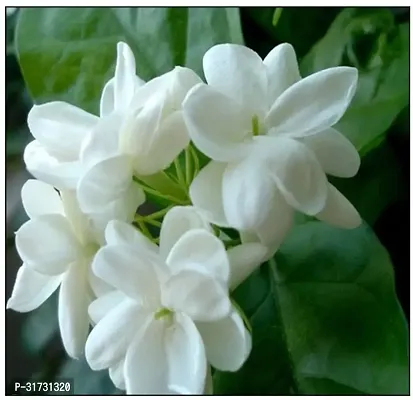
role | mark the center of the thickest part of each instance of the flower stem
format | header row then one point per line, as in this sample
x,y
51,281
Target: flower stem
x,y
170,178
152,222
277,15
188,166
162,182
179,173
144,229
155,193
157,214
196,161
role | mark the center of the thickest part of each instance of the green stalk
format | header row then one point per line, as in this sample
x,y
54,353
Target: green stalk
x,y
157,214
163,183
179,173
196,161
277,15
154,192
188,166
144,229
158,224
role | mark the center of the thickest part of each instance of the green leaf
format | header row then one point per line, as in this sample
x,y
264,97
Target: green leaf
x,y
325,319
69,53
369,40
40,326
86,381
350,23
367,120
380,173
299,26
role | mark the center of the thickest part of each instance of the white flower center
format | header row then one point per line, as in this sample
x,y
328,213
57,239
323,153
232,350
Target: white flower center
x,y
256,126
163,313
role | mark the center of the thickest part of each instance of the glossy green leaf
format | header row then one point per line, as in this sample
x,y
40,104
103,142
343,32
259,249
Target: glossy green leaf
x,y
69,53
369,40
377,184
350,24
325,319
299,26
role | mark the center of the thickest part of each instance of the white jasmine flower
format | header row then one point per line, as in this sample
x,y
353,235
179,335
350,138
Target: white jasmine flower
x,y
104,305
146,141
269,135
56,245
171,314
60,129
243,258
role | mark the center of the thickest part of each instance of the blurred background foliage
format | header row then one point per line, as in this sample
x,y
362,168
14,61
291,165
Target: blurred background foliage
x,y
375,40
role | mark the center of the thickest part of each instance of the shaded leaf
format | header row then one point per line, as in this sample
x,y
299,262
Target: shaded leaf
x,y
382,91
69,53
377,184
325,319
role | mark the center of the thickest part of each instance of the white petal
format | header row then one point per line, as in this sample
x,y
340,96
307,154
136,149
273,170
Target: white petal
x,y
108,342
129,270
296,172
125,80
282,70
79,221
339,211
104,304
227,342
165,145
176,222
221,131
48,240
200,296
118,232
104,183
39,198
102,142
206,193
181,81
334,152
140,126
247,190
74,299
186,357
60,127
31,289
107,99
313,104
151,91
274,227
238,72
43,166
117,376
122,208
146,369
243,260
171,86
99,286
200,250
